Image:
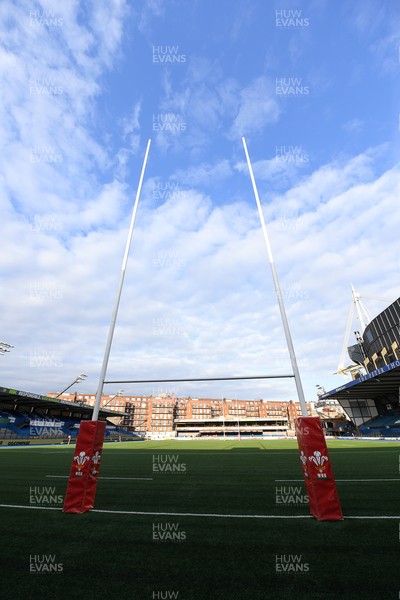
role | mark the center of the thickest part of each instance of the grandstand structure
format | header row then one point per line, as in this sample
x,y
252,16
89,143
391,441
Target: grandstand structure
x,y
164,416
27,419
371,401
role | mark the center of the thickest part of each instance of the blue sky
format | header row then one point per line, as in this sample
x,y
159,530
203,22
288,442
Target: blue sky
x,y
314,87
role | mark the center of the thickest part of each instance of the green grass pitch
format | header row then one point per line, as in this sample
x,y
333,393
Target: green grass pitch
x,y
189,552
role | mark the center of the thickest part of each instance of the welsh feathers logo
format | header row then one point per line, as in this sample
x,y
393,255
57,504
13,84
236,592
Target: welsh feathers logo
x,y
95,463
303,458
81,459
319,459
96,458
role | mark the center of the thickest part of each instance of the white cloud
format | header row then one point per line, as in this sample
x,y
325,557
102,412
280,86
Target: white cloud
x,y
198,296
50,78
258,107
245,14
385,58
206,101
275,170
205,174
131,124
354,125
151,9
366,15
131,128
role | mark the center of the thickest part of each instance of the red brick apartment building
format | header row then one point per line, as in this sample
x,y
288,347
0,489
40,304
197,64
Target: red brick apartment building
x,y
167,416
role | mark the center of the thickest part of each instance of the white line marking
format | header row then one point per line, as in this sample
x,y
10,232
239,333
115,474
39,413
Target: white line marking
x,y
213,515
229,452
123,478
32,507
363,451
374,517
226,451
382,479
227,455
179,514
340,480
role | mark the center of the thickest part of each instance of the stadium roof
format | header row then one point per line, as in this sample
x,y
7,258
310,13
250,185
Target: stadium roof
x,y
26,399
381,382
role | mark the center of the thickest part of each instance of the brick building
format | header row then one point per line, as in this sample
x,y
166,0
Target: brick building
x,y
166,416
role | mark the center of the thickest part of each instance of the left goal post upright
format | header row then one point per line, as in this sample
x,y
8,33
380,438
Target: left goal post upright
x,y
82,483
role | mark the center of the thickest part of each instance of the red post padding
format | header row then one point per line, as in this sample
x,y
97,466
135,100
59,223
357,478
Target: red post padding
x,y
82,483
317,470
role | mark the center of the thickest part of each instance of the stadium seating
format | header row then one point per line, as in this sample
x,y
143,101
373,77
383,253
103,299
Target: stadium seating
x,y
16,425
383,425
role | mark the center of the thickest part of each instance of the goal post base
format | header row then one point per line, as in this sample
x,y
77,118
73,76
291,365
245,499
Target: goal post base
x,y
82,483
318,475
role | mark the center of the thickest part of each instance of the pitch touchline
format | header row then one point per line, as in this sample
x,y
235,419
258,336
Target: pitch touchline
x,y
179,514
220,516
123,478
213,515
339,480
276,480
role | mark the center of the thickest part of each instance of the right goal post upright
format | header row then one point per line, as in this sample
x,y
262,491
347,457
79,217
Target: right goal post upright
x,y
317,470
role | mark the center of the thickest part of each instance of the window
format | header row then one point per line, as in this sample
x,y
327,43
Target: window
x,y
368,335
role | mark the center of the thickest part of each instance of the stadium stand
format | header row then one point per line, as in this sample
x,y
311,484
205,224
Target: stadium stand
x,y
33,426
27,419
386,425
